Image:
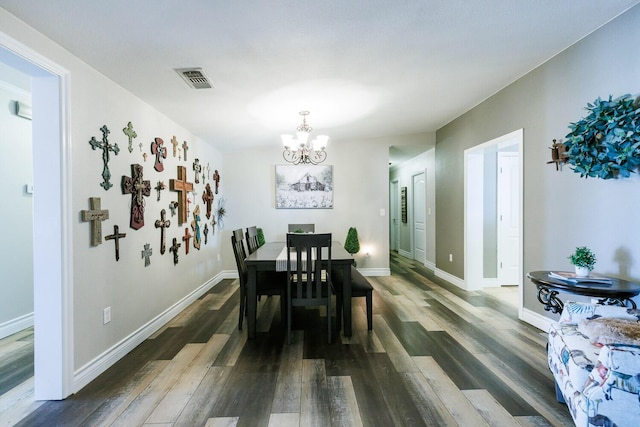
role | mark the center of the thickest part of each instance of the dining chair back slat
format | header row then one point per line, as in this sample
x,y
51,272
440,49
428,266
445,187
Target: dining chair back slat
x,y
252,239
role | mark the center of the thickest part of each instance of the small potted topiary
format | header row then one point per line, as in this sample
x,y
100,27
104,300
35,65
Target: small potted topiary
x,y
583,259
351,243
261,240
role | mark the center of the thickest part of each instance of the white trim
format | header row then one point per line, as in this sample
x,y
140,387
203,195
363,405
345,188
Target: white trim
x,y
405,254
15,90
430,265
538,320
450,278
12,326
375,271
100,364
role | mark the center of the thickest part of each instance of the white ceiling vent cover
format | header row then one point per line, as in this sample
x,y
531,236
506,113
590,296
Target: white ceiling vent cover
x,y
195,78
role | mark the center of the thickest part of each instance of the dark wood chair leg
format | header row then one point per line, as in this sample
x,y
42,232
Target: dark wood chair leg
x,y
243,302
369,298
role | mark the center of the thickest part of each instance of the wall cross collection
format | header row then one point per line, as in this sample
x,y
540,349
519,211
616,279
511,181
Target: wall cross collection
x,y
105,146
138,188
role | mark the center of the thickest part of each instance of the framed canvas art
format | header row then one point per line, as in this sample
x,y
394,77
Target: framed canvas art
x,y
304,187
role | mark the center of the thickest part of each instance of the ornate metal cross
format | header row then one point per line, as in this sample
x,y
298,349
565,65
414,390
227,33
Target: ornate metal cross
x,y
131,134
116,236
158,148
182,187
186,238
185,147
162,223
206,232
159,187
96,216
208,171
216,178
195,226
197,167
207,198
174,142
173,206
138,188
105,147
174,248
146,253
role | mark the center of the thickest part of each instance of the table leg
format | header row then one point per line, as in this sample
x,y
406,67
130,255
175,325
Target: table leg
x,y
251,300
346,306
549,298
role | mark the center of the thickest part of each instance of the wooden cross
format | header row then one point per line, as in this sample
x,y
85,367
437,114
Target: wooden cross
x,y
131,134
146,253
216,178
185,147
138,188
174,142
174,248
96,216
159,187
105,147
182,187
186,238
206,232
197,168
116,236
158,148
144,156
207,198
162,223
195,226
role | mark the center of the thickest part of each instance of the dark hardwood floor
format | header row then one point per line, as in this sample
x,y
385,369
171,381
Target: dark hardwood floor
x,y
437,356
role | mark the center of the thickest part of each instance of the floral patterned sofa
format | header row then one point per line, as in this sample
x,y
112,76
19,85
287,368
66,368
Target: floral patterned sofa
x,y
597,366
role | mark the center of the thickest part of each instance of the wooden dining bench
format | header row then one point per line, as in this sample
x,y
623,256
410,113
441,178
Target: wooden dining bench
x,y
360,287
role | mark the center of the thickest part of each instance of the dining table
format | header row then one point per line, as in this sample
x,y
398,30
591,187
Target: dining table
x,y
265,258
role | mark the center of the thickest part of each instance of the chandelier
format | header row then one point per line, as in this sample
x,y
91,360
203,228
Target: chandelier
x,y
299,149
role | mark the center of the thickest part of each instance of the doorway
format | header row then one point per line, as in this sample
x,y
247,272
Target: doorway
x,y
53,348
493,213
394,209
418,196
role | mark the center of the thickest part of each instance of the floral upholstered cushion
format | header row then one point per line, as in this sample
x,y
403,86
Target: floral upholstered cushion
x,y
573,312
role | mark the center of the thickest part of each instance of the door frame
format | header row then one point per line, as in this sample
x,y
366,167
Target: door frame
x,y
413,215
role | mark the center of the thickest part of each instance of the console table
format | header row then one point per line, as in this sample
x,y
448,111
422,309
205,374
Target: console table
x,y
618,292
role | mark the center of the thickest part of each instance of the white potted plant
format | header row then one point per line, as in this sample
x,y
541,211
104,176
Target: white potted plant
x,y
583,259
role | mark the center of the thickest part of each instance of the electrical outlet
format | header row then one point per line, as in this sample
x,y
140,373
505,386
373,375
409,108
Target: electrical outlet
x,y
106,315
450,257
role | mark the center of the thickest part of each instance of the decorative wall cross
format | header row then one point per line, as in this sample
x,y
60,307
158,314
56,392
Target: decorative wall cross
x,y
158,148
174,142
96,216
206,232
186,238
144,156
195,226
131,134
105,147
116,236
197,168
174,248
182,187
185,147
162,223
159,187
140,145
146,253
207,198
216,178
208,171
138,188
172,207
179,153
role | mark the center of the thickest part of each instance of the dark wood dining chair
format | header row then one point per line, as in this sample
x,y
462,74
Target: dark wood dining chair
x,y
309,279
252,239
360,287
267,282
304,228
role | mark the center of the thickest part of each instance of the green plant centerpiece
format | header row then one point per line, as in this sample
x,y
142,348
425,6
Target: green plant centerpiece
x,y
261,240
583,259
606,143
351,243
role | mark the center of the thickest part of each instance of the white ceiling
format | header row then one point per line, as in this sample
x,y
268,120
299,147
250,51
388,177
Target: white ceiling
x,y
364,68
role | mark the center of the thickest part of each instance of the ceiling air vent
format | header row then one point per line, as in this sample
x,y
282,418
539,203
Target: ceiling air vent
x,y
195,78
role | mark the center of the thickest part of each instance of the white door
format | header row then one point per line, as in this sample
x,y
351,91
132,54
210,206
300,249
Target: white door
x,y
419,218
508,218
395,221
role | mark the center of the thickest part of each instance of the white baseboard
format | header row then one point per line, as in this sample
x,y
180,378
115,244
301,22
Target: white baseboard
x,y
375,271
97,366
538,320
405,254
16,325
430,265
450,278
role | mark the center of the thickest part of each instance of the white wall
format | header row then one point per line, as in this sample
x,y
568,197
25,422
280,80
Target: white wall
x,y
404,173
16,262
137,295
